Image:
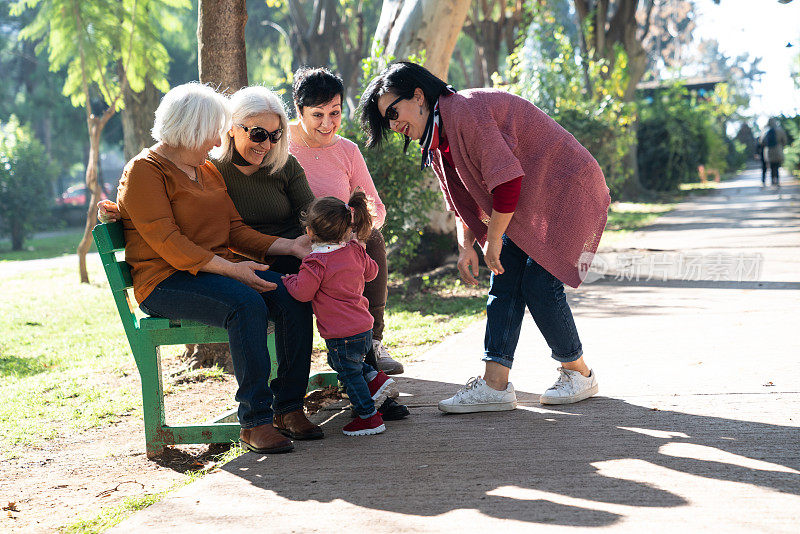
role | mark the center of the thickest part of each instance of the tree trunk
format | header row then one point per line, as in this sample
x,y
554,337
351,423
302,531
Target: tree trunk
x,y
311,39
409,27
137,118
221,52
222,62
95,126
17,235
623,29
208,355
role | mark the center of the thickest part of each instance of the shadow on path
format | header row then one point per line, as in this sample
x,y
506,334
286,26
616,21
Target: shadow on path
x,y
580,465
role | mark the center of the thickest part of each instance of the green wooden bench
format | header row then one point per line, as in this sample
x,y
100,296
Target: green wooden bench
x,y
146,334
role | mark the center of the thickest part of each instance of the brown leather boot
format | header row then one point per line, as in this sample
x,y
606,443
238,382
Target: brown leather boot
x,y
297,426
264,439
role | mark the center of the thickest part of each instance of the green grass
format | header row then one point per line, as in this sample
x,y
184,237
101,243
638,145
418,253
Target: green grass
x,y
43,247
698,187
111,517
62,352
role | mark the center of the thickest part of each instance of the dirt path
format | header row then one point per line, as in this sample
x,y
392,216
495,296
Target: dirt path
x,y
76,475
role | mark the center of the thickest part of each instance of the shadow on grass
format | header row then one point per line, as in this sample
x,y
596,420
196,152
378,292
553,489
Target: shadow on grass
x,y
14,366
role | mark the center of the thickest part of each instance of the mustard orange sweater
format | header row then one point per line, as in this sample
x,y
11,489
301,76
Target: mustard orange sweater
x,y
173,223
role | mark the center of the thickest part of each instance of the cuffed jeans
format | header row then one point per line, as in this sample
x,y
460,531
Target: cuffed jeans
x,y
346,357
526,283
220,301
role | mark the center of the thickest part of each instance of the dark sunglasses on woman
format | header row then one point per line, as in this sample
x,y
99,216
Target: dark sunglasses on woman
x,y
391,114
259,135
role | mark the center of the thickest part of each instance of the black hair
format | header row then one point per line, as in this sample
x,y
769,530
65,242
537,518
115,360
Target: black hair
x,y
331,219
315,86
400,78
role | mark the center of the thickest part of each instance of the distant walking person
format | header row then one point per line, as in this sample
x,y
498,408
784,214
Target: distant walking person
x,y
774,139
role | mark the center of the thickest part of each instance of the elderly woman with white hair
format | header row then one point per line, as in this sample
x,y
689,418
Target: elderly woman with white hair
x,y
181,232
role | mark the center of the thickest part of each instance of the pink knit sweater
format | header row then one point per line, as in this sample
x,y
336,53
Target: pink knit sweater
x,y
338,171
496,137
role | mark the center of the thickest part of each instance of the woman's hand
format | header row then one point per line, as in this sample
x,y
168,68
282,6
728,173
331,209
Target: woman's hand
x,y
245,272
468,265
107,211
491,254
301,246
494,240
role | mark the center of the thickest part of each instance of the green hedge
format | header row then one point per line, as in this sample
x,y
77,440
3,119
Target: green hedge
x,y
677,134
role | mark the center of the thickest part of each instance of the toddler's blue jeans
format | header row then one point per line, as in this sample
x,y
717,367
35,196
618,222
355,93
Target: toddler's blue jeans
x,y
346,357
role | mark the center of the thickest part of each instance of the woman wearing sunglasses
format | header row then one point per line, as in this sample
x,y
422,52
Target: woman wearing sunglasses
x,y
335,167
267,185
527,191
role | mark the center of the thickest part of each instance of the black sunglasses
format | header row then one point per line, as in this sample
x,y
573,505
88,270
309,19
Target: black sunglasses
x,y
391,114
259,134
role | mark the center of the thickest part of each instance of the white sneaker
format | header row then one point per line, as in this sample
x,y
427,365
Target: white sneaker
x,y
477,396
386,363
570,387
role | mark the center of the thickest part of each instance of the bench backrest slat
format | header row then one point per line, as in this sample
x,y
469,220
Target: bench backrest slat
x,y
109,239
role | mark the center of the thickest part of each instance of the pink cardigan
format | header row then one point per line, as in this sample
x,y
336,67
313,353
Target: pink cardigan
x,y
496,137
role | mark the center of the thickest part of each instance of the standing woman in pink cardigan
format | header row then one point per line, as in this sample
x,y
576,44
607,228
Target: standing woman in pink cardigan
x,y
335,167
528,192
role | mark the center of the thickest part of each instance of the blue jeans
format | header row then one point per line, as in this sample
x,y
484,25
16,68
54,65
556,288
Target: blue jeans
x,y
526,283
346,357
220,301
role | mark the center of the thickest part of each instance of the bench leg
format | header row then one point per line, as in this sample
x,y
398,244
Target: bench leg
x,y
148,360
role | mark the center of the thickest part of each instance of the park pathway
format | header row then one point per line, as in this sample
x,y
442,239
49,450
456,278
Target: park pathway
x,y
693,333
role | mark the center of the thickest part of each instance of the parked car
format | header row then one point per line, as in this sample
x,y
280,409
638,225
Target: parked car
x,y
78,195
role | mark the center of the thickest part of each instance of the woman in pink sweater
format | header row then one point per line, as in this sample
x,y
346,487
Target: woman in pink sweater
x,y
527,191
332,278
335,167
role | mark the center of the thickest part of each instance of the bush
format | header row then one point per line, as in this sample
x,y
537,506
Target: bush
x,y
545,71
676,135
672,141
792,152
26,179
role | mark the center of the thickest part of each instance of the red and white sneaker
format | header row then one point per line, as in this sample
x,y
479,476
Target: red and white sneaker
x,y
365,427
382,387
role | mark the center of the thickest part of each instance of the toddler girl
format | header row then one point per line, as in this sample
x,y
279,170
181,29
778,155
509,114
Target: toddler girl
x,y
332,277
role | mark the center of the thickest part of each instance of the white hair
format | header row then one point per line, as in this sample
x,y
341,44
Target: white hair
x,y
190,115
252,101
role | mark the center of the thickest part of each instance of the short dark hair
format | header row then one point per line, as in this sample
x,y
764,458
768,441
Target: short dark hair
x,y
315,86
400,78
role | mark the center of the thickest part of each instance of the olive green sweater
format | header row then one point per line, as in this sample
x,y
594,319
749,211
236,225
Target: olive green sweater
x,y
269,202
